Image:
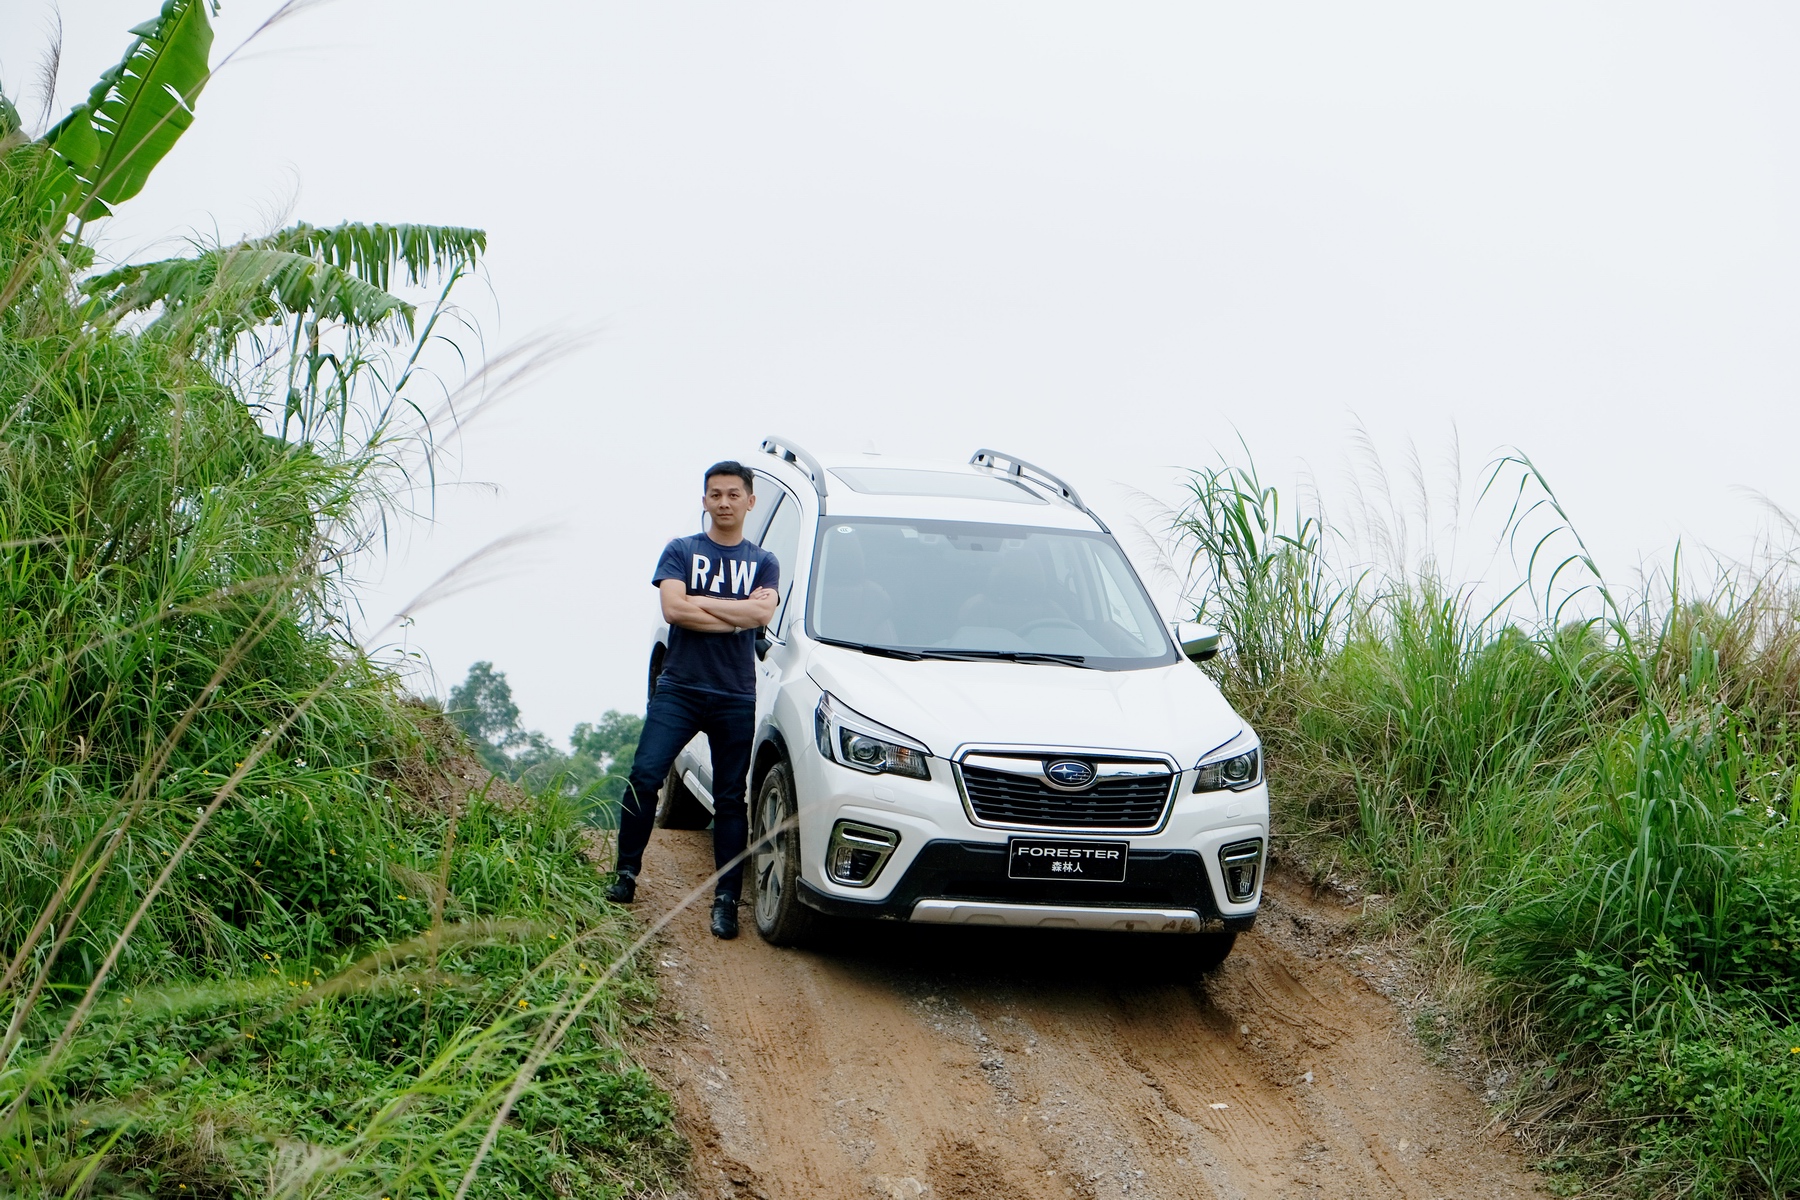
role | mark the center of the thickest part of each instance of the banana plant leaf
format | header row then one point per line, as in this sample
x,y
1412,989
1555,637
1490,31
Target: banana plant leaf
x,y
373,252
233,289
336,274
136,112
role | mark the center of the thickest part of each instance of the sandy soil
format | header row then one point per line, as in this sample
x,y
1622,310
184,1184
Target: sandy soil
x,y
902,1062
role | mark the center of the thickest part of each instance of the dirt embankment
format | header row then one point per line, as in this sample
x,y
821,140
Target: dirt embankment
x,y
904,1062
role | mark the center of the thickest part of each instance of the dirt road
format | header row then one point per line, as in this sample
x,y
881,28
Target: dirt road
x,y
960,1063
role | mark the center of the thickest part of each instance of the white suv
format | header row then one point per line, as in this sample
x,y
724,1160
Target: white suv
x,y
969,712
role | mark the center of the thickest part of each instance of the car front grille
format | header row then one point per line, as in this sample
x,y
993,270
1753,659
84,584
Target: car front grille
x,y
1118,802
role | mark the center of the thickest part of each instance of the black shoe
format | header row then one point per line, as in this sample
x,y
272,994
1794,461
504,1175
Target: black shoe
x,y
623,889
724,922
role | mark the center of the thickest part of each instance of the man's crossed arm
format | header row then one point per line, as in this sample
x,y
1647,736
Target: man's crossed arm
x,y
704,614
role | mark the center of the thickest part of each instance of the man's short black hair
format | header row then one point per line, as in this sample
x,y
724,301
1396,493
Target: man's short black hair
x,y
730,467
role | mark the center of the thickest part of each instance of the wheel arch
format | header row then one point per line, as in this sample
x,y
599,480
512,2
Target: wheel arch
x,y
771,749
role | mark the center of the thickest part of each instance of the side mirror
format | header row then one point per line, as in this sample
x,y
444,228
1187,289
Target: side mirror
x,y
762,641
1198,642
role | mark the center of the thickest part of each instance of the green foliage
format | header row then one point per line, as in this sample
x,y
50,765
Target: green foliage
x,y
592,773
303,317
339,275
1598,814
253,936
136,111
1266,587
482,707
203,1084
604,753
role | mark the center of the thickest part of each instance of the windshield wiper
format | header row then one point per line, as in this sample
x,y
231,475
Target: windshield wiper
x,y
1021,656
878,651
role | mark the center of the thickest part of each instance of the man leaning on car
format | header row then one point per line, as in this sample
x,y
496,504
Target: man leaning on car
x,y
717,590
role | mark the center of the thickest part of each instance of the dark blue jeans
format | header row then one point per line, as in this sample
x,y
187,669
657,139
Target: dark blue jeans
x,y
675,715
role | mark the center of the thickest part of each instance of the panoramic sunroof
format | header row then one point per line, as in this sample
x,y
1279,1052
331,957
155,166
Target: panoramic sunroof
x,y
899,481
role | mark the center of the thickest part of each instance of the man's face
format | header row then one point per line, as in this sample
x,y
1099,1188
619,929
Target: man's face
x,y
727,501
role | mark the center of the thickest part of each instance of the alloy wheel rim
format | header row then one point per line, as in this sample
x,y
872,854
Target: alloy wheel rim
x,y
769,859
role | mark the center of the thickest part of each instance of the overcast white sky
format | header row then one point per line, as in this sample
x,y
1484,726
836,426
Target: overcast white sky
x,y
1106,237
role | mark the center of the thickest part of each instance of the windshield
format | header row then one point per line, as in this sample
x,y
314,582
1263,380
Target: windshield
x,y
953,588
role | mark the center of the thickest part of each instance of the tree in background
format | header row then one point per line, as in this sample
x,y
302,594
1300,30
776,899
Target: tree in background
x,y
593,771
482,707
610,746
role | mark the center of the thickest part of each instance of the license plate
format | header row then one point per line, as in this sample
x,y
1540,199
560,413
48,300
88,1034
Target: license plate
x,y
1041,858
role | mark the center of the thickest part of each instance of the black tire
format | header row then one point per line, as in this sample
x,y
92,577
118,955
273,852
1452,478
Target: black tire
x,y
679,808
1208,951
781,918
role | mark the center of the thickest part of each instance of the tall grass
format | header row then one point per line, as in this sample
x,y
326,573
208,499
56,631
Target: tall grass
x,y
253,937
1594,811
1270,590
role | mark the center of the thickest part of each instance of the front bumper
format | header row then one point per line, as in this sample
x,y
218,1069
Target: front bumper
x,y
965,882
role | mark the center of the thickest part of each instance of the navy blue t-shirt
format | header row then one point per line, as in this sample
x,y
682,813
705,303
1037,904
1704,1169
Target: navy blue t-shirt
x,y
715,662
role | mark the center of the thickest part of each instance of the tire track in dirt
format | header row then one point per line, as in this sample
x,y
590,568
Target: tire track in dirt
x,y
900,1062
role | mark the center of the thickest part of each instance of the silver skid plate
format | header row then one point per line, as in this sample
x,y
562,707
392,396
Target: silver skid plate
x,y
1057,916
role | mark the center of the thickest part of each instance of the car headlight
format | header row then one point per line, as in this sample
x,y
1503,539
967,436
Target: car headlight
x,y
847,737
1233,770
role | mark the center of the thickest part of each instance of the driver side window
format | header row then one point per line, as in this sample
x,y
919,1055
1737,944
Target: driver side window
x,y
782,539
768,499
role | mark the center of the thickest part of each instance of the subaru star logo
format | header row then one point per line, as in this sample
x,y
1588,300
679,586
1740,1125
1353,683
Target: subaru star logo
x,y
1070,774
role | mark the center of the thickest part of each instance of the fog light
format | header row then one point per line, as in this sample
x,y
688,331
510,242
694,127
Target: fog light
x,y
857,852
1241,864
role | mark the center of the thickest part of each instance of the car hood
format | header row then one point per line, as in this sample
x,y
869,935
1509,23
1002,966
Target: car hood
x,y
1174,710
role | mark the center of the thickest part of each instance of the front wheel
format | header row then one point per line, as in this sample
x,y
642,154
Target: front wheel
x,y
1209,951
781,918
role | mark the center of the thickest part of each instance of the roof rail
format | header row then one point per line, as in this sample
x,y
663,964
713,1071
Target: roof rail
x,y
787,451
1021,469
